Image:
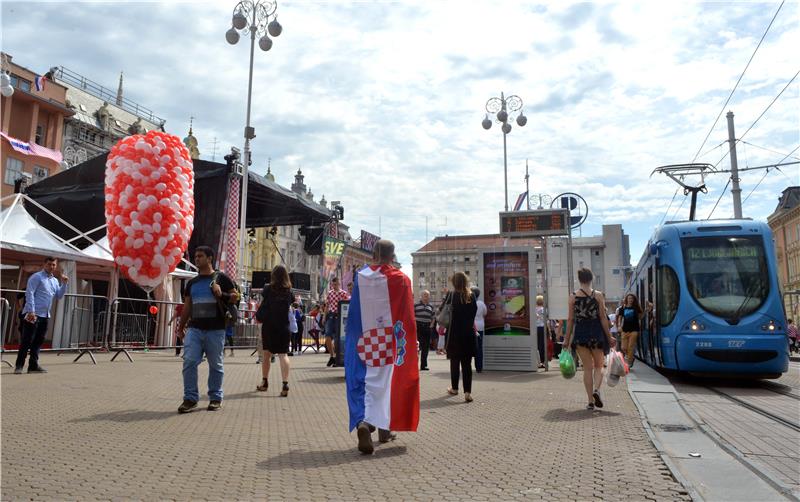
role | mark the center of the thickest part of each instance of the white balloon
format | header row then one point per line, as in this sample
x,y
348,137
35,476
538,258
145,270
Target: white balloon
x,y
148,238
138,243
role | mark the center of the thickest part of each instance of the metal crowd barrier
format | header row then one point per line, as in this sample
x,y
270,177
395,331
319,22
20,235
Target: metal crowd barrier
x,y
139,323
78,324
5,322
88,323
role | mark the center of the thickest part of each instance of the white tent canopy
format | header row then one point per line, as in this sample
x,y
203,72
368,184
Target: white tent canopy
x,y
20,232
101,249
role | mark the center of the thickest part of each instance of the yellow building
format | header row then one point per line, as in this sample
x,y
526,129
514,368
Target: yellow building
x,y
785,225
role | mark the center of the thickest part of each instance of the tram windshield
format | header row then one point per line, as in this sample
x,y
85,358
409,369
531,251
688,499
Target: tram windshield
x,y
727,276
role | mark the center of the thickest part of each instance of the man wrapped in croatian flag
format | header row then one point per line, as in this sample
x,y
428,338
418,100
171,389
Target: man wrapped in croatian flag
x,y
380,357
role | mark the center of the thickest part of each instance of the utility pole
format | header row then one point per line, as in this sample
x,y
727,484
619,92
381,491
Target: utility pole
x,y
735,190
527,188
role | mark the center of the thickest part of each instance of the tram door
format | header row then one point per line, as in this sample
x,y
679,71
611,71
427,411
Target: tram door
x,y
652,318
640,344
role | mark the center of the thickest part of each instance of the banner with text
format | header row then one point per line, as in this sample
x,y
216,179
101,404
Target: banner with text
x,y
333,250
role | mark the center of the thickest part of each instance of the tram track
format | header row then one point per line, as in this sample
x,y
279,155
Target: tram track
x,y
740,400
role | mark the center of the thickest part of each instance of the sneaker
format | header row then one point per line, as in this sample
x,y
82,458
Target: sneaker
x,y
18,371
331,362
590,406
214,405
597,401
364,439
187,406
37,370
272,359
467,397
285,390
290,354
385,436
424,369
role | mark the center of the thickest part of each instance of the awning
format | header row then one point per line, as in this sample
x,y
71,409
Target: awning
x,y
76,195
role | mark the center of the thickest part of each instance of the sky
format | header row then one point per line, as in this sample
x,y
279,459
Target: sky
x,y
380,103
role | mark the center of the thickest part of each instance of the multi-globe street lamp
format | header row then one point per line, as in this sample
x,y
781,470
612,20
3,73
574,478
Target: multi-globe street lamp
x,y
258,19
505,108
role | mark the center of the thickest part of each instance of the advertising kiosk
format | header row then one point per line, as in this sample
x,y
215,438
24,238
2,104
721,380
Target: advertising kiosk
x,y
507,277
509,292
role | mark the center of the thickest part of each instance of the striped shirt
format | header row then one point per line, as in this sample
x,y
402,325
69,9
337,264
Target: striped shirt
x,y
333,299
423,312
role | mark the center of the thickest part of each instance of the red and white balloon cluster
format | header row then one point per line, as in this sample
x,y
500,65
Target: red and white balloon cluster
x,y
149,205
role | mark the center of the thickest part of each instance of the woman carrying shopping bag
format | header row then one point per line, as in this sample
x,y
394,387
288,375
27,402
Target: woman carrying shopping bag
x,y
588,332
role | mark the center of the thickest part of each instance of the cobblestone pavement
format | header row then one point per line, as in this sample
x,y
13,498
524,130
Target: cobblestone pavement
x,y
111,431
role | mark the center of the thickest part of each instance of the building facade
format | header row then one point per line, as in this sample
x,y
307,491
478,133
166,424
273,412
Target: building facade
x,y
785,225
100,117
32,127
608,255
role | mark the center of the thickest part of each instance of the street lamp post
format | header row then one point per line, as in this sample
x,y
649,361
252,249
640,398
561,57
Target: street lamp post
x,y
253,18
505,108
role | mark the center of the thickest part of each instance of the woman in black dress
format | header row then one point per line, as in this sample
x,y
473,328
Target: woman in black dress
x,y
461,338
591,336
274,316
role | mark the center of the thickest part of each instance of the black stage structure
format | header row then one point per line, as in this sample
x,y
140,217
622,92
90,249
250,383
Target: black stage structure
x,y
77,195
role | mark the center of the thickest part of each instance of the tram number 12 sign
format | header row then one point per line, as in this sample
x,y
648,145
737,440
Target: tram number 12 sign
x,y
534,223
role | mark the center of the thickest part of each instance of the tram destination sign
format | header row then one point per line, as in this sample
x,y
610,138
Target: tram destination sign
x,y
534,223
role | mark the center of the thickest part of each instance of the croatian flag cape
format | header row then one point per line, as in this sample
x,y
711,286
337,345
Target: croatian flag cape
x,y
380,358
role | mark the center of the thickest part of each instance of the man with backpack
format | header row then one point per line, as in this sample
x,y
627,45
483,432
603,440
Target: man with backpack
x,y
209,305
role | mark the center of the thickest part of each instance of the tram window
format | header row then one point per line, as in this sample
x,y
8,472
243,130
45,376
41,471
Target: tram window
x,y
668,295
727,276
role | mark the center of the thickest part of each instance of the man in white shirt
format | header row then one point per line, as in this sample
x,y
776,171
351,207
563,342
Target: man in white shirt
x,y
480,317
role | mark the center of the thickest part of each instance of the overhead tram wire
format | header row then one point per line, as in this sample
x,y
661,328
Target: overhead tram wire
x,y
766,172
773,151
762,179
759,117
722,110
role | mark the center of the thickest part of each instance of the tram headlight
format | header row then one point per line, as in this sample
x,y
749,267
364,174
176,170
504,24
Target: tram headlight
x,y
696,326
771,326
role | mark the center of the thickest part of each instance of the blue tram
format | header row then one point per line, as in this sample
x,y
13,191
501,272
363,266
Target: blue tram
x,y
711,299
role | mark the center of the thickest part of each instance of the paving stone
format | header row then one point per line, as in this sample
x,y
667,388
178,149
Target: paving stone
x,y
111,432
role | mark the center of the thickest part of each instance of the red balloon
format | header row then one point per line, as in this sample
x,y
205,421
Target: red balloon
x,y
153,309
140,173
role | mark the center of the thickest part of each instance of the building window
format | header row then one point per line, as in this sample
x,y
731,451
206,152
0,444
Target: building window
x,y
20,83
466,272
39,134
13,170
466,258
40,173
597,253
421,275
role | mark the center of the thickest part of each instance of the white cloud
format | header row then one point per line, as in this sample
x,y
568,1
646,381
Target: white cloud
x,y
381,103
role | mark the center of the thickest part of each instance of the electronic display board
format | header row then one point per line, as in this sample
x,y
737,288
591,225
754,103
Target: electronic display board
x,y
534,223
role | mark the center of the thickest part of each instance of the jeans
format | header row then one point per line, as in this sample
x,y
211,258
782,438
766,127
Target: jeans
x,y
466,368
424,339
195,343
332,326
479,353
32,339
